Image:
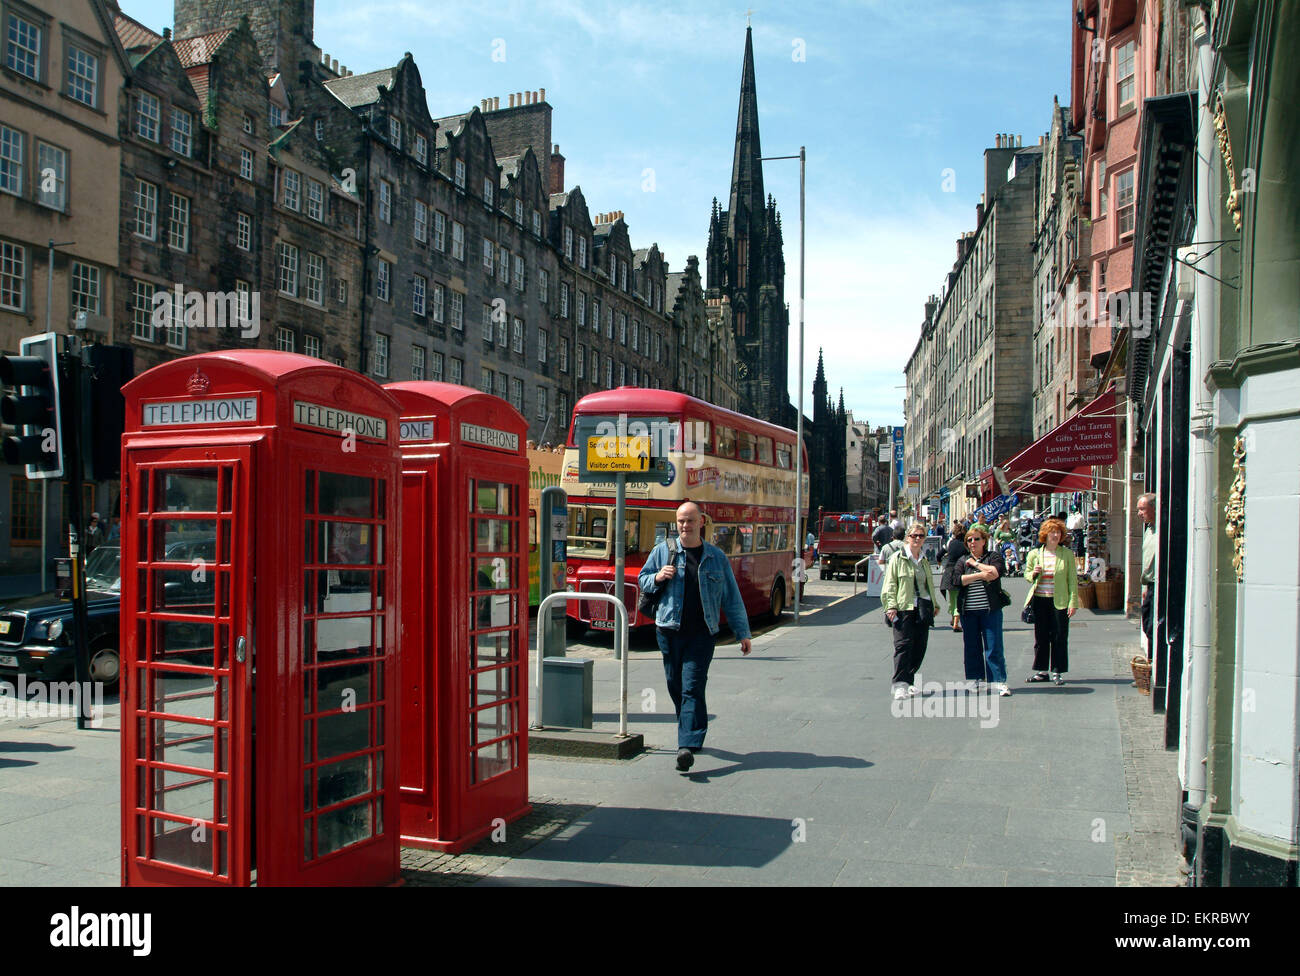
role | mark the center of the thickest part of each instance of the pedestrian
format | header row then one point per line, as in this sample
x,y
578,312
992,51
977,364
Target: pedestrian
x,y
953,551
1147,512
892,546
94,533
895,522
1075,524
882,536
980,604
697,583
1054,593
908,598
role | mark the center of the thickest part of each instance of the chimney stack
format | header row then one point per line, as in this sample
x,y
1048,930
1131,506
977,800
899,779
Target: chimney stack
x,y
557,170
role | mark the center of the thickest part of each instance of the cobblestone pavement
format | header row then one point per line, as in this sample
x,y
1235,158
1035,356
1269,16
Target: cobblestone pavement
x,y
422,868
1146,855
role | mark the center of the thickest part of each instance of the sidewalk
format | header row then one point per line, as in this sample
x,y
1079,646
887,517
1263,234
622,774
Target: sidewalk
x,y
807,776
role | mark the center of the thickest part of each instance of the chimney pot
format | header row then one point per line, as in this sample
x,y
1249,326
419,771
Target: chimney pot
x,y
519,98
542,92
167,33
512,101
496,102
334,65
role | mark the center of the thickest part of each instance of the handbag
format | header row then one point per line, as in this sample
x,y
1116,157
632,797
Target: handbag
x,y
648,604
1027,614
1004,597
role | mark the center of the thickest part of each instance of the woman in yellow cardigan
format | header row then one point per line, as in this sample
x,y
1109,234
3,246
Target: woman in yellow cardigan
x,y
907,595
1054,590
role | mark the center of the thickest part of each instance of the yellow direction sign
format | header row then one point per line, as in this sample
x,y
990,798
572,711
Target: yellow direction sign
x,y
614,454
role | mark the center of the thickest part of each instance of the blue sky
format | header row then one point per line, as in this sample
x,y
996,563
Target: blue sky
x,y
887,95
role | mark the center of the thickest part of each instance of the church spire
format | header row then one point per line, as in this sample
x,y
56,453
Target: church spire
x,y
747,198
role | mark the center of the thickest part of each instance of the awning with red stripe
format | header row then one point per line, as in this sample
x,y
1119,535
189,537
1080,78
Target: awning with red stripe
x,y
1062,459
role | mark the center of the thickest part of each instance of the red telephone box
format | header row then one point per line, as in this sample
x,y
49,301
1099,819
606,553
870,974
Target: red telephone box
x,y
464,735
259,624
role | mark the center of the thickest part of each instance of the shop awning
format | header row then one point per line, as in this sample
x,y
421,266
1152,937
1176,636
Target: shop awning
x,y
1063,458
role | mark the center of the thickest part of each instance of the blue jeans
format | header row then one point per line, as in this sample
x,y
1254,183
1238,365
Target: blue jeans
x,y
686,669
982,638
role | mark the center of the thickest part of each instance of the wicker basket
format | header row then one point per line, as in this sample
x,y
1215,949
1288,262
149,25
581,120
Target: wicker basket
x,y
1141,674
1087,594
1109,593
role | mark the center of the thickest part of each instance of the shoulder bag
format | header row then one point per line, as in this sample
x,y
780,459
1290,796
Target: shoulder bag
x,y
648,604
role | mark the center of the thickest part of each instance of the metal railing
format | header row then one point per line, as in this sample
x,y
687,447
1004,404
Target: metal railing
x,y
620,650
857,568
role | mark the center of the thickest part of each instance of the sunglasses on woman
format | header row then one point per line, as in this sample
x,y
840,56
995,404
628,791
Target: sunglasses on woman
x,y
916,535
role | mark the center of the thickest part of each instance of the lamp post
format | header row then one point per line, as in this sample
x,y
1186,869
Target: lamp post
x,y
798,453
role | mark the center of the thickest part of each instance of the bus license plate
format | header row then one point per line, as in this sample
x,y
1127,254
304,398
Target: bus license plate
x,y
8,661
602,625
4,626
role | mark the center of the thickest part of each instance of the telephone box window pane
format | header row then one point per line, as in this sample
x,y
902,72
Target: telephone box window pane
x,y
344,590
224,551
346,494
177,591
491,723
339,828
493,574
493,535
183,693
342,733
492,611
490,687
183,794
309,505
347,543
492,498
342,686
340,638
182,743
343,781
175,843
184,642
491,760
188,491
492,649
184,541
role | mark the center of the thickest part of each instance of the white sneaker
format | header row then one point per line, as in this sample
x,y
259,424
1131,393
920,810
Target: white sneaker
x,y
1001,688
900,692
913,691
973,686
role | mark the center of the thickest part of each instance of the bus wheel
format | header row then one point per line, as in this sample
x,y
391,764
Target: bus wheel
x,y
777,603
821,573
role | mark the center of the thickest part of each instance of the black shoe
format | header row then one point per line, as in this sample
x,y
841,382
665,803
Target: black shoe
x,y
685,759
695,749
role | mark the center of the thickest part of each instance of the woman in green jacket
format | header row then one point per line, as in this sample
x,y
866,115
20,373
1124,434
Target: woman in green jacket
x,y
907,595
1054,591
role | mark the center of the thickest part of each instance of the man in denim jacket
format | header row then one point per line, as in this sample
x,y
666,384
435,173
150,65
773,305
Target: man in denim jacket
x,y
696,584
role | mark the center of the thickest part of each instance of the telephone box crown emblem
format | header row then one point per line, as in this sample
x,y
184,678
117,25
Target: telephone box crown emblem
x,y
198,383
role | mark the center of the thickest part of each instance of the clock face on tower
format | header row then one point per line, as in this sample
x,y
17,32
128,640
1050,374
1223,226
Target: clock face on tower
x,y
742,370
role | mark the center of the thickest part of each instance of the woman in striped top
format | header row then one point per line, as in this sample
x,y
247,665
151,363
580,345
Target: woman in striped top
x,y
980,604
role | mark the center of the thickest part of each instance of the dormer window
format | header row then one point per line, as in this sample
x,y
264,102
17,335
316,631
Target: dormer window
x,y
395,132
276,114
568,243
421,150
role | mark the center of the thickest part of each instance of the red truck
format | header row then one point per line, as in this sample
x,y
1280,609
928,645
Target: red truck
x,y
844,539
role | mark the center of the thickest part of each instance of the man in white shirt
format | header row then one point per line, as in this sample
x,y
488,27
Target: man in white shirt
x,y
1075,524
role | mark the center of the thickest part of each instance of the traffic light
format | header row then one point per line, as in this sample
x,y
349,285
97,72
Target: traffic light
x,y
34,407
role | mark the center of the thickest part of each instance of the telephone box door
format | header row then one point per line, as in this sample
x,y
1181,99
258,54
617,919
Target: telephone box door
x,y
188,666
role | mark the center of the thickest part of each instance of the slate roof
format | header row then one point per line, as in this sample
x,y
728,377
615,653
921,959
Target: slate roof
x,y
358,90
559,200
640,255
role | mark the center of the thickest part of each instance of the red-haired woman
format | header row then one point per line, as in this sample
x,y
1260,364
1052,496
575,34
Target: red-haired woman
x,y
1054,590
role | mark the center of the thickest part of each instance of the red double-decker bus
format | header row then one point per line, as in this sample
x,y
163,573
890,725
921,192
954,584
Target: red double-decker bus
x,y
739,470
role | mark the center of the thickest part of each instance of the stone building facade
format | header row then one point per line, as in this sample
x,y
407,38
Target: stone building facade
x,y
59,136
969,380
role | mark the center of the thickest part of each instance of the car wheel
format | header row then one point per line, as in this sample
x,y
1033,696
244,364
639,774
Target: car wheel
x,y
105,666
776,604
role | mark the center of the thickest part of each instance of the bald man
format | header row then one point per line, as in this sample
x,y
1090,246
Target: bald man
x,y
697,583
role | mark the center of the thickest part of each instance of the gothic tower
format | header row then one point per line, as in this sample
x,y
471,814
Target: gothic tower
x,y
746,265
